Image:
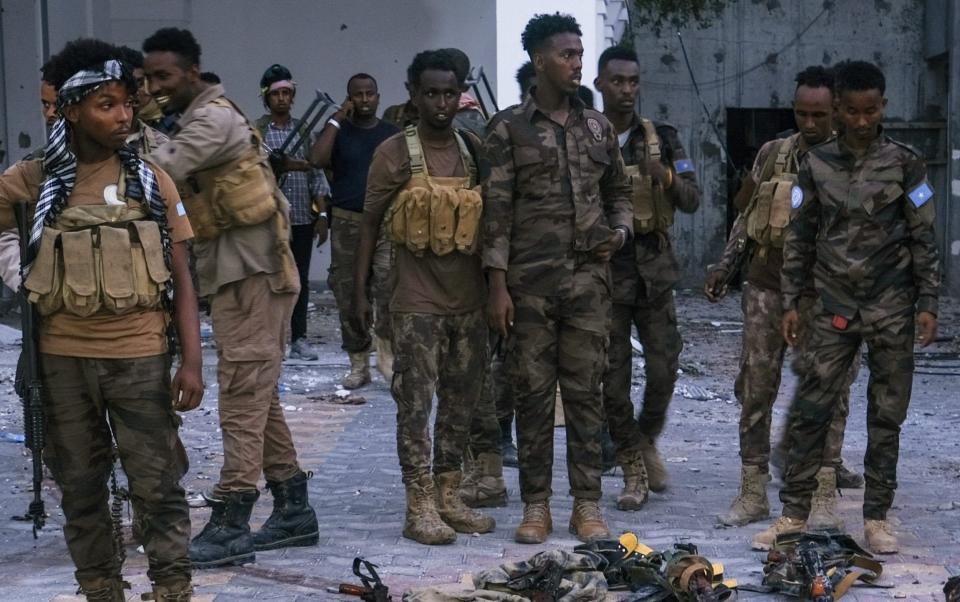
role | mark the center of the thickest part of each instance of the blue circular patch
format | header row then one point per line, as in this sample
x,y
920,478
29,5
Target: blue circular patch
x,y
796,197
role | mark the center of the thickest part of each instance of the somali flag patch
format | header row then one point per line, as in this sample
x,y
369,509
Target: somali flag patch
x,y
921,194
682,165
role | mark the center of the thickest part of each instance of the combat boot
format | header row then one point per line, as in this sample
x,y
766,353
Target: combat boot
x,y
226,538
359,374
103,589
880,537
847,479
453,511
657,476
635,490
176,591
537,524
784,525
423,524
751,504
508,451
586,521
292,522
483,485
823,506
385,358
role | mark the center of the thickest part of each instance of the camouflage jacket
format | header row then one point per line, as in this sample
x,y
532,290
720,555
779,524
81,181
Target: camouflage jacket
x,y
554,193
864,228
644,270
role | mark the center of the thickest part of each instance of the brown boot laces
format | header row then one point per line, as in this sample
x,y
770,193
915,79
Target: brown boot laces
x,y
588,511
535,513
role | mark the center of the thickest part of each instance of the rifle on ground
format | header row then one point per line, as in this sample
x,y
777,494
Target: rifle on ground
x,y
28,384
372,590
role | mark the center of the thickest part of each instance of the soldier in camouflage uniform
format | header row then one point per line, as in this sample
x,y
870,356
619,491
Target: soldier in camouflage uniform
x,y
763,349
643,274
863,228
440,337
557,208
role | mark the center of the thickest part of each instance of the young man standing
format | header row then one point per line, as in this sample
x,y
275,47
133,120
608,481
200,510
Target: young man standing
x,y
863,230
345,148
644,274
104,361
557,208
425,182
245,267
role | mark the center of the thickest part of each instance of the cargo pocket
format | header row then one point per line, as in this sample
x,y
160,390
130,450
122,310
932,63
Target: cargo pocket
x,y
875,203
643,212
443,220
780,208
244,196
45,280
417,216
116,265
81,290
150,272
468,219
534,166
758,222
397,219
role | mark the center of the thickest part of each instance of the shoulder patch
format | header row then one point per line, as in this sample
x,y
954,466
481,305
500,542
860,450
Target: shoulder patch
x,y
796,197
920,194
683,166
595,128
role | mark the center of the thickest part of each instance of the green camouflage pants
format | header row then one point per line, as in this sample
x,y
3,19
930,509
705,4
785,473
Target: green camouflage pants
x,y
562,338
890,360
761,363
656,324
344,239
442,354
496,405
85,400
381,286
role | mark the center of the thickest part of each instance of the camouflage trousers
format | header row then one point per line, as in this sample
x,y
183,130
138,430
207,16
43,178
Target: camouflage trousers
x,y
250,323
656,324
761,364
562,338
344,240
441,354
381,286
890,360
89,404
496,405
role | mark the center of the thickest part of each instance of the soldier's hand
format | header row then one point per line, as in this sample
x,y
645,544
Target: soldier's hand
x,y
605,250
714,288
362,313
500,311
791,326
658,170
187,387
346,110
926,328
321,230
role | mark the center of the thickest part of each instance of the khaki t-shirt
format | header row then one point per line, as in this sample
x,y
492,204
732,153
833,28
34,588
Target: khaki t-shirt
x,y
103,335
448,285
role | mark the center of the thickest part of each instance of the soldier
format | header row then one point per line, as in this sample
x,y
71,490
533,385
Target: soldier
x,y
245,267
424,180
761,358
644,274
863,229
526,78
557,208
104,361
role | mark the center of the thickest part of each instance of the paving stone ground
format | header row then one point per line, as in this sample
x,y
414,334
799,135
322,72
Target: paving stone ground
x,y
357,493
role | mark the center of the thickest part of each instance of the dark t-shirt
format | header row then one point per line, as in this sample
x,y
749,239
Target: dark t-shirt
x,y
350,161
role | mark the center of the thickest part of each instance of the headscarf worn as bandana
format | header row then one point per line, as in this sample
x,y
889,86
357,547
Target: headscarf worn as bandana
x,y
60,165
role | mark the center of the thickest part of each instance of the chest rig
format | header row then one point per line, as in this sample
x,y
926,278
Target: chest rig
x,y
768,213
437,213
99,259
652,211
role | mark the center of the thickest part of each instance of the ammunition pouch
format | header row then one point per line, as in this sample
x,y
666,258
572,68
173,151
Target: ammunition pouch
x,y
652,210
768,214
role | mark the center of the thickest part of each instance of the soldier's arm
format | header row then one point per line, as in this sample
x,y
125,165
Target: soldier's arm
x,y
20,182
733,248
921,214
800,245
615,189
199,145
498,199
684,192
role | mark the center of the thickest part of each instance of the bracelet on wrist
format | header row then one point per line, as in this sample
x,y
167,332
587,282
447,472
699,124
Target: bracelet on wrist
x,y
333,122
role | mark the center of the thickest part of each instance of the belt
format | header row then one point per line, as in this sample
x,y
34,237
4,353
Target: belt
x,y
346,214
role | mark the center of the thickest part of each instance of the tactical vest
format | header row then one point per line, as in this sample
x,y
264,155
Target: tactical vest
x,y
105,259
768,213
237,193
439,213
652,211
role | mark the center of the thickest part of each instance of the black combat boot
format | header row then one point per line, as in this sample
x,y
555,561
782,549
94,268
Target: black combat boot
x,y
292,522
226,538
508,450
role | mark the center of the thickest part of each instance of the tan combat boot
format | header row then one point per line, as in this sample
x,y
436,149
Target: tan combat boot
x,y
536,525
880,537
385,358
586,521
423,524
823,506
784,525
359,374
454,512
177,591
657,477
635,490
101,589
482,485
751,504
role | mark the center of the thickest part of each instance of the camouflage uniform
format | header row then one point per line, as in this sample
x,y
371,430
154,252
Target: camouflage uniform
x,y
763,348
344,239
555,193
863,228
644,274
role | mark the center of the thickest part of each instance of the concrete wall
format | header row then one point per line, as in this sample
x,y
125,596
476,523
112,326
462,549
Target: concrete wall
x,y
748,59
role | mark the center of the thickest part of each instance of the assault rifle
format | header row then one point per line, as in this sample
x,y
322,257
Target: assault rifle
x,y
321,109
27,382
815,576
477,78
372,590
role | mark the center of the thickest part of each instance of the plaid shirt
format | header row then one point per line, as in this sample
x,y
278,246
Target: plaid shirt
x,y
300,187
